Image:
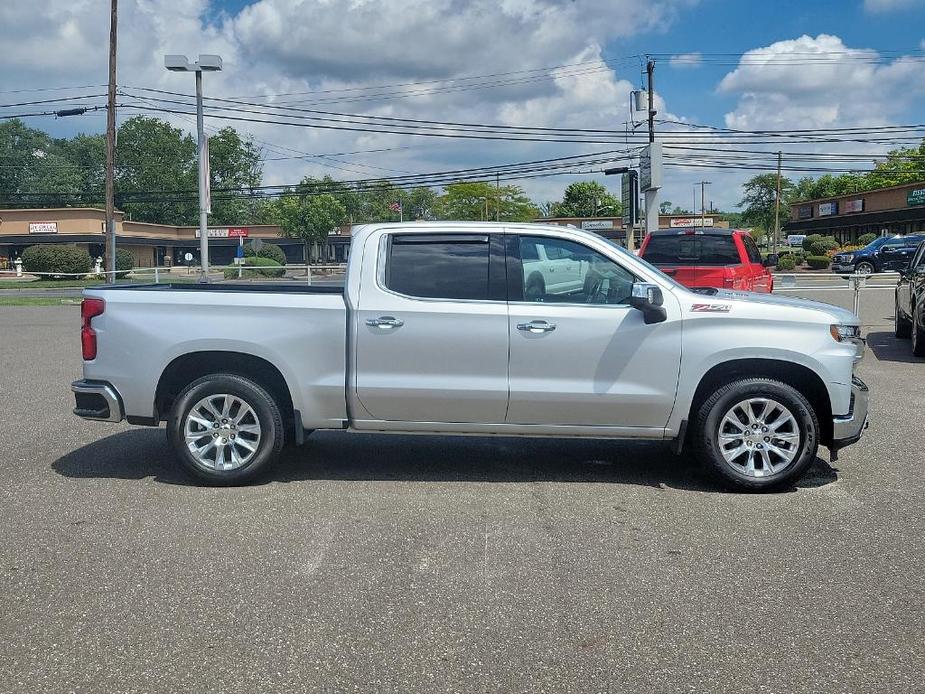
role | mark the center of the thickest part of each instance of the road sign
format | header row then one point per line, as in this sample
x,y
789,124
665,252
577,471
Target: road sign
x,y
188,257
239,253
650,167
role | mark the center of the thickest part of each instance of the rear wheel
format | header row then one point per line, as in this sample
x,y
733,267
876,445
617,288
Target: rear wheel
x,y
225,429
756,434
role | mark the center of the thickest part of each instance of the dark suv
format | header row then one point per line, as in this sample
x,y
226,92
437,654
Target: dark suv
x,y
880,255
910,302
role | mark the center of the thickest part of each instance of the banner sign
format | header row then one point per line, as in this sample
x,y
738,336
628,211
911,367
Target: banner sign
x,y
226,233
854,205
915,197
650,167
597,225
827,209
681,222
43,227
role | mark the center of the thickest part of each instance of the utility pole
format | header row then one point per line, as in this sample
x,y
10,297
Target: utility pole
x,y
498,197
650,74
110,241
703,218
777,203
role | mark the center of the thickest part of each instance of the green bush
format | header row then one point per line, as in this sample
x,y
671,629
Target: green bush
x,y
819,262
865,239
268,250
55,259
255,267
125,261
786,263
810,240
823,245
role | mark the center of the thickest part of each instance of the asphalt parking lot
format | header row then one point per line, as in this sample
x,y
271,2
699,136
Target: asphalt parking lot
x,y
395,564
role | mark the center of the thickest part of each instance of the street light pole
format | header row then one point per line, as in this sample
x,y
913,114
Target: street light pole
x,y
703,218
206,63
110,240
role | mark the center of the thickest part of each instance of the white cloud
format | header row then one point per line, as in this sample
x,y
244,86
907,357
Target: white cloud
x,y
883,6
279,46
686,60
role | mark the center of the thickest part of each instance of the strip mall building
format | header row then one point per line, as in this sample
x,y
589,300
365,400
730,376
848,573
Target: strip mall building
x,y
150,244
884,212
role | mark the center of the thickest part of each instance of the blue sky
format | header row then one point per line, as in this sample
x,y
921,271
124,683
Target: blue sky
x,y
274,47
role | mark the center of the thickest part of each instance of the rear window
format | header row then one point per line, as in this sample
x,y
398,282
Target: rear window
x,y
435,267
692,249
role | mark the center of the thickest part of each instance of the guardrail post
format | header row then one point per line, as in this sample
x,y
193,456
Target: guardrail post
x,y
18,264
157,277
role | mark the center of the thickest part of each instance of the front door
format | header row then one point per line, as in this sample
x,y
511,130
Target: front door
x,y
432,331
586,358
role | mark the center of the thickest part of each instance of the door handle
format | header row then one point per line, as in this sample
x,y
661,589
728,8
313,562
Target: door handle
x,y
384,322
536,327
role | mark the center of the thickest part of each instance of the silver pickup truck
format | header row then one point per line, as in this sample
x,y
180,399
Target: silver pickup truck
x,y
439,329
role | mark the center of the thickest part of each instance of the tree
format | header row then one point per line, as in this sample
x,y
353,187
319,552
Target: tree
x,y
234,164
481,200
588,199
680,210
758,203
310,218
156,172
664,207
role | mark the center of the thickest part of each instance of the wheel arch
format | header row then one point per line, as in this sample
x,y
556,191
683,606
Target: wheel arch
x,y
186,368
801,378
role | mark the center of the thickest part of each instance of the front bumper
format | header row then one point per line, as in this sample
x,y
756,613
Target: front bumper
x,y
97,400
843,267
849,428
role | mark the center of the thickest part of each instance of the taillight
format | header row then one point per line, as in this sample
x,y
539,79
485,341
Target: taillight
x,y
89,309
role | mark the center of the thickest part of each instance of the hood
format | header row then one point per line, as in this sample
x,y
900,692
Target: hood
x,y
834,314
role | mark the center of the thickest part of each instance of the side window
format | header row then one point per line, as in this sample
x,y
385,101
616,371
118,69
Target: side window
x,y
919,259
439,267
751,250
579,274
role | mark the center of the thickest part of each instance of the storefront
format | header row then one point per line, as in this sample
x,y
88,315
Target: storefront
x,y
150,244
885,211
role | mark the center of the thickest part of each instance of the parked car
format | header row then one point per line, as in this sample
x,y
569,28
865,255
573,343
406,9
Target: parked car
x,y
884,254
910,302
710,257
435,331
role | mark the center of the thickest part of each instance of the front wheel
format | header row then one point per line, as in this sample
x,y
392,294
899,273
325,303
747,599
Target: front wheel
x,y
756,434
902,326
864,268
225,429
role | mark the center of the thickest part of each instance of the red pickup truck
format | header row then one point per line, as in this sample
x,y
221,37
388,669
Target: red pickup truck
x,y
710,257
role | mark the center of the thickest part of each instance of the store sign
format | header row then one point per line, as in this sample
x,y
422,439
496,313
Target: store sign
x,y
597,225
853,205
681,222
226,233
804,211
827,209
43,227
650,167
915,197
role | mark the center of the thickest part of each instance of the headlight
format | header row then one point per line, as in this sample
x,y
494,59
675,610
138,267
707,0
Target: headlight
x,y
843,333
846,258
849,333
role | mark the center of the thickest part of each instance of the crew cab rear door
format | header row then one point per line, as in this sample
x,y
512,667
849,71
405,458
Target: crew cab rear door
x,y
431,329
759,277
586,358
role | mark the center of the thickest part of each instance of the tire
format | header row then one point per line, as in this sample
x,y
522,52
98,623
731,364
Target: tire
x,y
864,268
902,326
796,420
253,434
918,334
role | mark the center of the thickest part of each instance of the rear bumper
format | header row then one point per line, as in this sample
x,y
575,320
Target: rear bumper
x,y
848,429
97,400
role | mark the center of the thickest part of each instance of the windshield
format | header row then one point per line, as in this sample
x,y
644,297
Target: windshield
x,y
649,266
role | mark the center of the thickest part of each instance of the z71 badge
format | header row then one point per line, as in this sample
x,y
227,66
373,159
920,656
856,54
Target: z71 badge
x,y
711,308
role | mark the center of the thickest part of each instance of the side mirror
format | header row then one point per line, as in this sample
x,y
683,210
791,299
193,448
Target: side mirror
x,y
772,260
647,297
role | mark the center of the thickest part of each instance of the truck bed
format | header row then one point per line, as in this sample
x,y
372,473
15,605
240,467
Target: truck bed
x,y
237,287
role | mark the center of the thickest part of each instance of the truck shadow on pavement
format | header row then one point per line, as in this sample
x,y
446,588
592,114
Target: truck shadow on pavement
x,y
142,453
887,347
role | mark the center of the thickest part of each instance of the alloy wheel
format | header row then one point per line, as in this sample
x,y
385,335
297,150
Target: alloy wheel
x,y
759,437
222,432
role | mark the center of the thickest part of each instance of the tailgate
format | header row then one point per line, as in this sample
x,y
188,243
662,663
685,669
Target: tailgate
x,y
694,275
